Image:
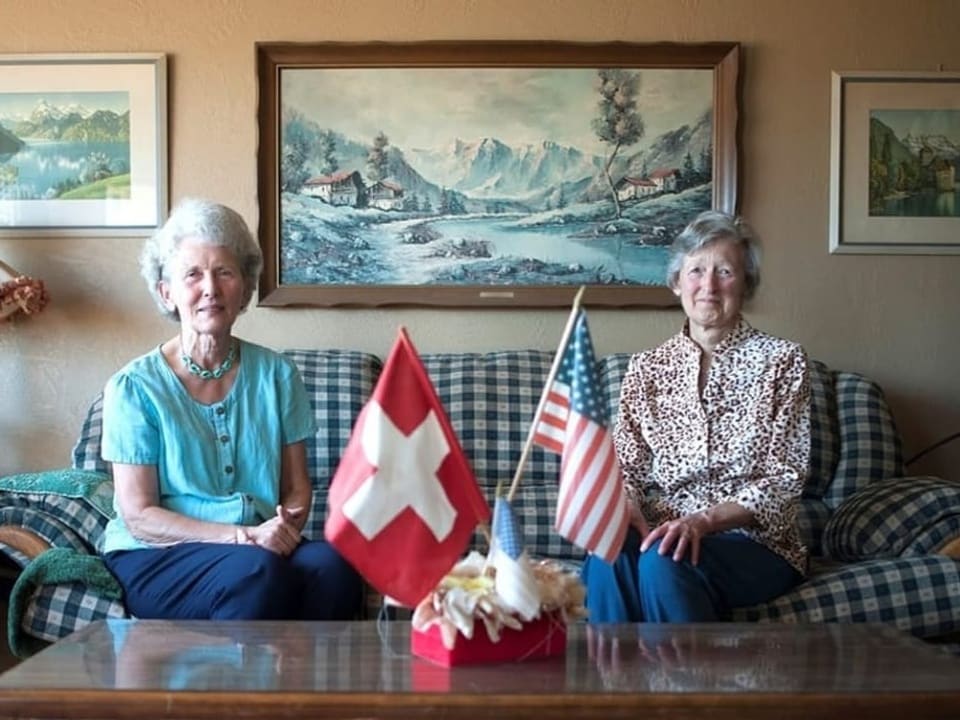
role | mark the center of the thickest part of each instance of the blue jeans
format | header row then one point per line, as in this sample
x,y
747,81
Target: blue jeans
x,y
211,581
734,571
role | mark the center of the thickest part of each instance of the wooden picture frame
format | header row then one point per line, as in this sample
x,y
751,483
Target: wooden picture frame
x,y
894,151
83,144
433,173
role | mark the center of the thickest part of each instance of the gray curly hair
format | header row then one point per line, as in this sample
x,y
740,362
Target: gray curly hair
x,y
709,227
210,223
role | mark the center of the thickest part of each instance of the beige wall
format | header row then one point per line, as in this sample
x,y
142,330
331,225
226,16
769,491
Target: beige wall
x,y
893,318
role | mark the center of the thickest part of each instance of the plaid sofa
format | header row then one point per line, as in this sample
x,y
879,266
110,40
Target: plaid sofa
x,y
875,537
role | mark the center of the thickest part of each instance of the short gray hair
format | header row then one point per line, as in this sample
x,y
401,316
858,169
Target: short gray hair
x,y
209,223
709,227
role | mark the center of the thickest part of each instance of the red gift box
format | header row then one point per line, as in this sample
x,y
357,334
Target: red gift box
x,y
541,638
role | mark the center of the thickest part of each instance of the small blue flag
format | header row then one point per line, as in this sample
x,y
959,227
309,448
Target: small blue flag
x,y
514,581
507,529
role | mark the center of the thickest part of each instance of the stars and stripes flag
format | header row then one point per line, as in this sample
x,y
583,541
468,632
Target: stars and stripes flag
x,y
591,507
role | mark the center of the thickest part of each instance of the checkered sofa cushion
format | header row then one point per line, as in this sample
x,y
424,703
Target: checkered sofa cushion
x,y
920,595
338,383
58,610
824,431
86,451
869,442
490,400
894,517
853,442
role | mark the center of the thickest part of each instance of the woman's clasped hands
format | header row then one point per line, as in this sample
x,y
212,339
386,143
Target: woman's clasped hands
x,y
280,534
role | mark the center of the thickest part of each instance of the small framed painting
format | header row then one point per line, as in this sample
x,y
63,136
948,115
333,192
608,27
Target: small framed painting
x,y
894,156
487,173
83,144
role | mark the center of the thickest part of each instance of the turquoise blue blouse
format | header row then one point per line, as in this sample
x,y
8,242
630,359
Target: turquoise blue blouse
x,y
218,462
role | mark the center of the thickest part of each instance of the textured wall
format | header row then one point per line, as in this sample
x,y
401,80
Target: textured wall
x,y
893,318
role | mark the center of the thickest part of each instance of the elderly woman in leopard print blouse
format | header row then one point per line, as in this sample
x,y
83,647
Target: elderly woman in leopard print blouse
x,y
713,439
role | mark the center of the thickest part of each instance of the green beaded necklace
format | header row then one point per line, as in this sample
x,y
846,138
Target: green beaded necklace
x,y
217,372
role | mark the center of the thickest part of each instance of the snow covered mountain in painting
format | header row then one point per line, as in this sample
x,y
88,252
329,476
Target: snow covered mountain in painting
x,y
939,144
490,168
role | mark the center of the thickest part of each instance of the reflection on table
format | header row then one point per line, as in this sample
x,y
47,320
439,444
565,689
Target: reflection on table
x,y
368,657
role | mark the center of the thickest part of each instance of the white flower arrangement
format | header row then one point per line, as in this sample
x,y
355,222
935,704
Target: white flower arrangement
x,y
467,594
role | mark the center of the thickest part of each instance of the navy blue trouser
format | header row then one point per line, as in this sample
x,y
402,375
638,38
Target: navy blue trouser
x,y
212,581
734,571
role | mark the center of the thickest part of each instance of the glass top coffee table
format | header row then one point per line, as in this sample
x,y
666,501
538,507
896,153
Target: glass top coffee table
x,y
193,669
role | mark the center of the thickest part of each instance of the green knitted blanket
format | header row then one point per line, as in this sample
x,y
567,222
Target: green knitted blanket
x,y
54,566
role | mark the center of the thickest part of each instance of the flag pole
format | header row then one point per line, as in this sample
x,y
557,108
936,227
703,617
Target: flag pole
x,y
528,446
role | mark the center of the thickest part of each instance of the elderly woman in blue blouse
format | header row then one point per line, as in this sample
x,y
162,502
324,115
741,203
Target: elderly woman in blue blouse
x,y
206,435
713,439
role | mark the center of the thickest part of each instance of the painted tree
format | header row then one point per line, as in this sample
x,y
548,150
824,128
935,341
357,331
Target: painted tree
x,y
327,153
618,124
561,198
706,164
295,148
689,174
96,167
377,158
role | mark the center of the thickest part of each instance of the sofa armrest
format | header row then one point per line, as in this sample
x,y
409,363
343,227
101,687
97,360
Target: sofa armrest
x,y
951,548
23,540
77,502
31,529
898,517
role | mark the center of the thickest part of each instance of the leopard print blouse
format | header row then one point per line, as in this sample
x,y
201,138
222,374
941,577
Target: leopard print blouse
x,y
745,439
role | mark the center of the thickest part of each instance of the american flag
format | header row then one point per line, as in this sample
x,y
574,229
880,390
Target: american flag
x,y
591,507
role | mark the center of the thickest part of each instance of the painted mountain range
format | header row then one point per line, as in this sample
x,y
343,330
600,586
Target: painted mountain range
x,y
70,124
530,174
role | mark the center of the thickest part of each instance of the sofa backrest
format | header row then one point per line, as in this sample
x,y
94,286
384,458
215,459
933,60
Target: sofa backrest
x,y
853,442
338,382
490,399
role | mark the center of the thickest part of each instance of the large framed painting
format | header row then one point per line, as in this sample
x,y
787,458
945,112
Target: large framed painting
x,y
894,155
83,144
487,173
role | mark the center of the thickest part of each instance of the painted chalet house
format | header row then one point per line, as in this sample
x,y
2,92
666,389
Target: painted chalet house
x,y
632,188
665,179
661,180
386,195
339,188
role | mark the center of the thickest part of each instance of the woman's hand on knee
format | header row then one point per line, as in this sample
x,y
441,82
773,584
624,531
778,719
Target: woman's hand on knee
x,y
681,537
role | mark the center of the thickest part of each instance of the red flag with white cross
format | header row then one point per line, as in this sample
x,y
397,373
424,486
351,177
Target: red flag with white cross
x,y
403,502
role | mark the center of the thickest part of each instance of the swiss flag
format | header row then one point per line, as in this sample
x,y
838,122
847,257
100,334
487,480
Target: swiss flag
x,y
404,501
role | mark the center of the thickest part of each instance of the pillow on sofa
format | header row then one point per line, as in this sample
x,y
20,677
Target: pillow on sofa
x,y
94,487
66,507
892,518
